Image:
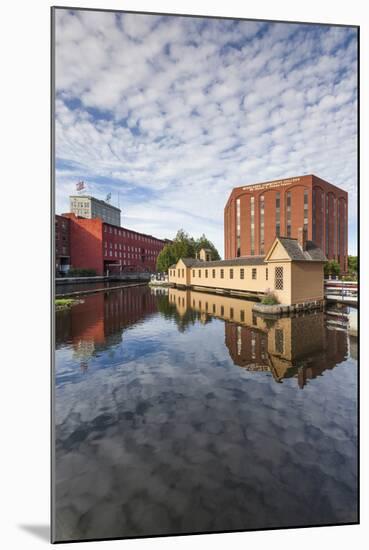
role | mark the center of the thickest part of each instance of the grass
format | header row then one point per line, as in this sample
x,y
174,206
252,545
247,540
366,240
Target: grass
x,y
269,300
62,303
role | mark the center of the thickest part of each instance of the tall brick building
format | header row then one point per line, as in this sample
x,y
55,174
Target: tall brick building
x,y
255,214
94,244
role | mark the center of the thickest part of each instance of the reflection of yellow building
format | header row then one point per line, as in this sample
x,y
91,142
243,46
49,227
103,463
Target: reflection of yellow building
x,y
292,269
298,346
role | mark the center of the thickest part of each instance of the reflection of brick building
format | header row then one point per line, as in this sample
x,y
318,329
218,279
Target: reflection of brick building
x,y
97,245
300,346
255,214
98,322
62,244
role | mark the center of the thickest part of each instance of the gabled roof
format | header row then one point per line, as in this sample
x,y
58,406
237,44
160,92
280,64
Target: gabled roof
x,y
312,253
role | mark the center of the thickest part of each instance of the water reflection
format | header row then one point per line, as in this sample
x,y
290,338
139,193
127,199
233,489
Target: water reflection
x,y
169,418
301,346
98,322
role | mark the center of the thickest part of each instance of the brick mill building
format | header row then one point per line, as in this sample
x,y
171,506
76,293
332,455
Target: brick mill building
x,y
95,244
62,244
255,214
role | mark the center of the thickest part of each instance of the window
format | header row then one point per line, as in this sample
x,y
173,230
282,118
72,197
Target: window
x,y
214,308
206,273
278,278
193,273
222,273
231,313
238,227
253,276
242,273
252,224
179,271
222,310
262,224
266,273
231,273
277,213
199,272
327,208
242,315
183,273
213,273
288,214
306,206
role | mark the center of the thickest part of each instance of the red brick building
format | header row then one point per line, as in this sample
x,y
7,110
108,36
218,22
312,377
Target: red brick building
x,y
62,244
103,247
255,214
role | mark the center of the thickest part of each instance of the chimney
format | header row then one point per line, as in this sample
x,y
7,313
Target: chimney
x,y
302,237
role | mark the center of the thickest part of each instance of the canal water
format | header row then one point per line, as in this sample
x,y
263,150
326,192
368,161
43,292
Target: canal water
x,y
183,412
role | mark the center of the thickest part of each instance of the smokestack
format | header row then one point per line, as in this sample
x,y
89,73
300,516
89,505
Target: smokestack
x,y
302,237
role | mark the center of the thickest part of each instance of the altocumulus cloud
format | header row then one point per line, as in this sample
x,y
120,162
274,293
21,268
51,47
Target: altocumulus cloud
x,y
173,112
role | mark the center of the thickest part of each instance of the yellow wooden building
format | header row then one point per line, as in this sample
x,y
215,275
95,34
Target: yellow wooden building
x,y
293,270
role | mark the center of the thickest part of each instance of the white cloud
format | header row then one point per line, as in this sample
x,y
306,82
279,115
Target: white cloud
x,y
177,111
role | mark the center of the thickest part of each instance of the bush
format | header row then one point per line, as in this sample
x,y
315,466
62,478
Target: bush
x,y
269,299
331,267
350,277
81,272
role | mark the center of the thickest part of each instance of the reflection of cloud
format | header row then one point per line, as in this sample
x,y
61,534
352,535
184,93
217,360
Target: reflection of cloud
x,y
177,111
176,439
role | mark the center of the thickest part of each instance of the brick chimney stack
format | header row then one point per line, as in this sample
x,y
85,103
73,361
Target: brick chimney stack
x,y
302,237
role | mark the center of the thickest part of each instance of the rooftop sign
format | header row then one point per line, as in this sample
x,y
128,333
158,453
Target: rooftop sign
x,y
271,184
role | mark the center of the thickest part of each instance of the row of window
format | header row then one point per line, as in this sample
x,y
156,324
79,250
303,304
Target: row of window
x,y
129,248
63,250
261,220
233,273
129,234
80,204
181,273
62,237
117,254
335,213
63,224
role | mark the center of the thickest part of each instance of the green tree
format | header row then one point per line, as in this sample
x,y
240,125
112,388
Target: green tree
x,y
165,259
203,242
183,246
332,268
352,263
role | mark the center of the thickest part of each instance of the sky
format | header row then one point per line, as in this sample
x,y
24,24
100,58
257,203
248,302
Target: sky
x,y
170,113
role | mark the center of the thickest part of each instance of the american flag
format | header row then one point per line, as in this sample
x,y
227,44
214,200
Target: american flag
x,y
80,185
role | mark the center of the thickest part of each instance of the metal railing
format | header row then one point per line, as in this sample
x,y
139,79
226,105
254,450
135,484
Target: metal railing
x,y
345,291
